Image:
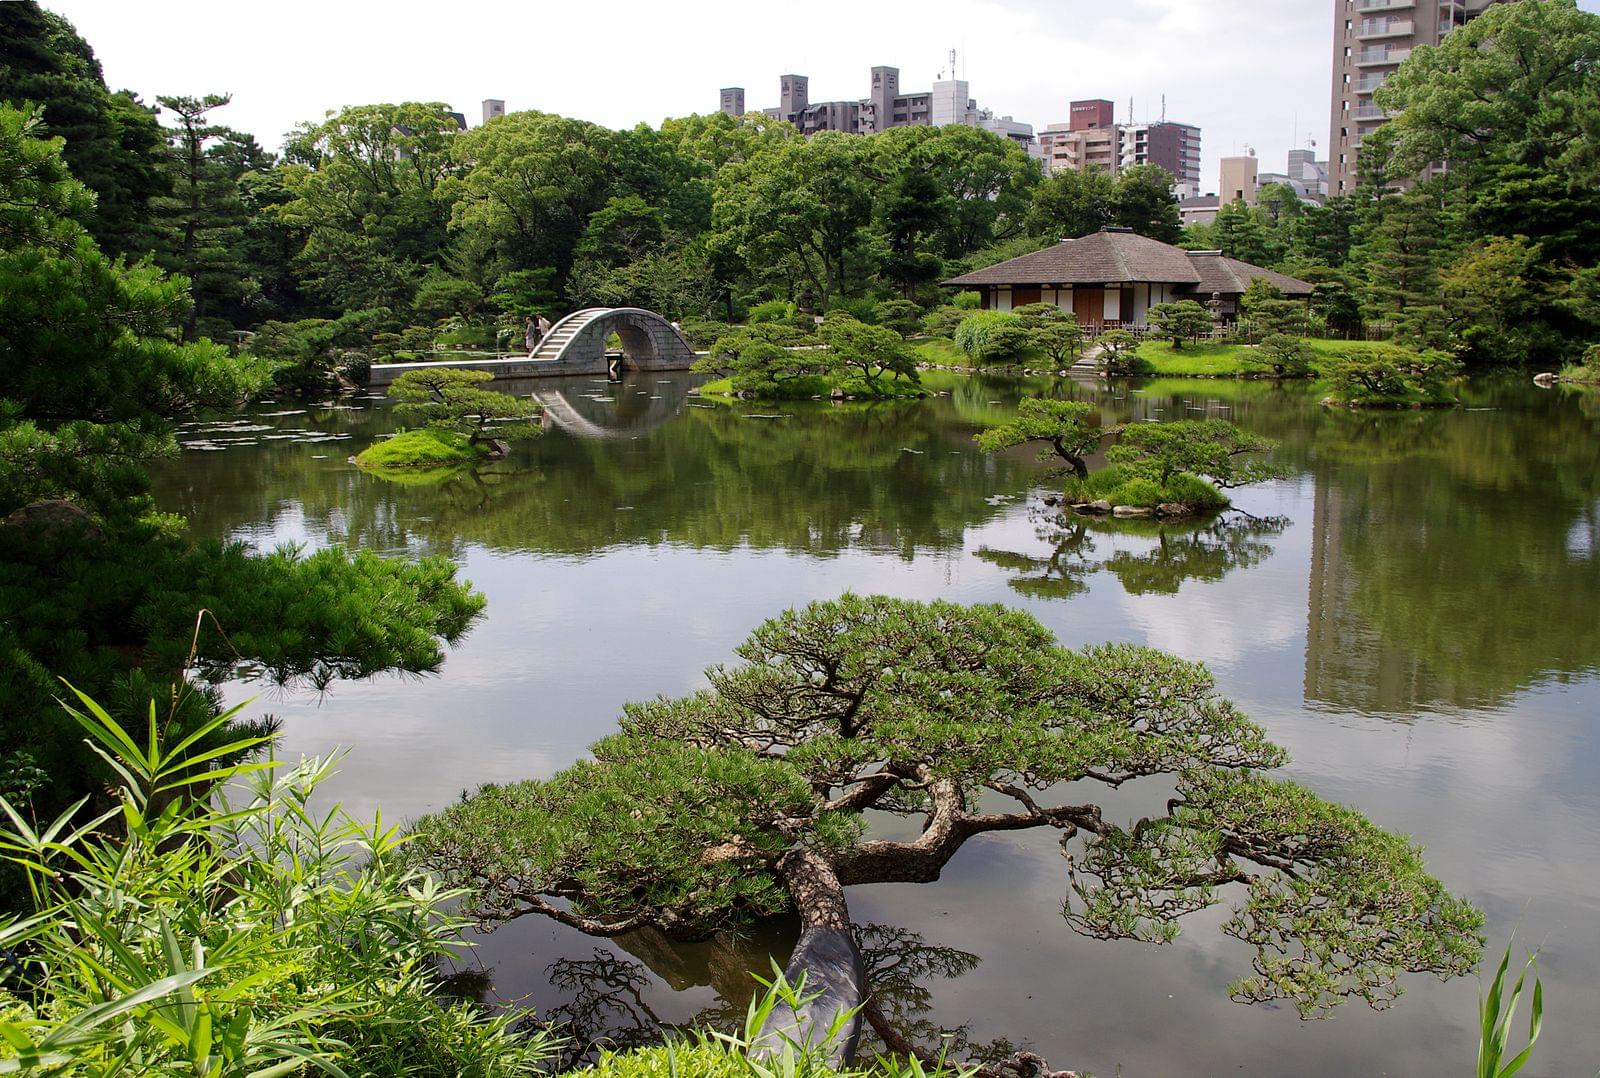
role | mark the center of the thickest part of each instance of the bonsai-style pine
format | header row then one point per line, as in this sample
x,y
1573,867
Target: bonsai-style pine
x,y
1280,355
462,421
1064,427
1176,469
749,799
1377,376
1181,321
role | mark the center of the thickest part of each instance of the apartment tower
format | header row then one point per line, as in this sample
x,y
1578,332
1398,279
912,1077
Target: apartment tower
x,y
1370,38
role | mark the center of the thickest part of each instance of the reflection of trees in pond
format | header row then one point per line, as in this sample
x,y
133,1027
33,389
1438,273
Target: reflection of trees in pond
x,y
901,477
608,1007
1174,551
1454,557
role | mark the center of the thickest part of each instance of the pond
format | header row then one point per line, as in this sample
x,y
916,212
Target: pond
x,y
1414,614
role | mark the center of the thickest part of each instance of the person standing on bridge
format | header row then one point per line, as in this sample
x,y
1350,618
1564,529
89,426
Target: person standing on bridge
x,y
530,336
544,327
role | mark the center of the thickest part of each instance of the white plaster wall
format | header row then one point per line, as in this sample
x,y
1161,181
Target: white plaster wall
x,y
1113,307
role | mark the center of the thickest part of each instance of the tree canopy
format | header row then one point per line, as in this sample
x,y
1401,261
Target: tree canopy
x,y
747,799
97,586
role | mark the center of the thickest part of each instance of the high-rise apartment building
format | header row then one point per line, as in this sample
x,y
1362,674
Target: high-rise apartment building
x,y
1370,38
1173,146
1091,139
493,107
884,107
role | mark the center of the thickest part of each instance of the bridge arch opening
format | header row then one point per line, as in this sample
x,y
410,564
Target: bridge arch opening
x,y
647,341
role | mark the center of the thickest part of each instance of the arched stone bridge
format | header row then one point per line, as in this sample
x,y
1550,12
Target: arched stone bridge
x,y
577,345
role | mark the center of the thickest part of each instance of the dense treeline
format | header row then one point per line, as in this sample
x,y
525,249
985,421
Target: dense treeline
x,y
97,587
385,227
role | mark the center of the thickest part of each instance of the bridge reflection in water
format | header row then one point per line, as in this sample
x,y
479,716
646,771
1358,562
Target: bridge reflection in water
x,y
601,409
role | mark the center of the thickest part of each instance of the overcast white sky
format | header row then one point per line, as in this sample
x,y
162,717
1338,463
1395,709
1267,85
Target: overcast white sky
x,y
1250,72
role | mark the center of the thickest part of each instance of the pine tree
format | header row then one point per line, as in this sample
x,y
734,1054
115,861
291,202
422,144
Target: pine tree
x,y
203,218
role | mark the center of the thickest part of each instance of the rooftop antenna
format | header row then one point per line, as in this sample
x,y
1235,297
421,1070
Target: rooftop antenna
x,y
1163,108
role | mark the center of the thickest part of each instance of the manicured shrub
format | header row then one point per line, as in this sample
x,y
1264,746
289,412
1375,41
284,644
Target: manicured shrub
x,y
943,321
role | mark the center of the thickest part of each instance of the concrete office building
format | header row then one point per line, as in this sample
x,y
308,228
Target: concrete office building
x,y
1307,175
1090,140
1370,38
733,100
1240,180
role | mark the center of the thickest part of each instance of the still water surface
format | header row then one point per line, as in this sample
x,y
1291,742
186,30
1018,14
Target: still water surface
x,y
1416,617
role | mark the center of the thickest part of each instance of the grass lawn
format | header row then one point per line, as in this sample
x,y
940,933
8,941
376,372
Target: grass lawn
x,y
943,351
1225,360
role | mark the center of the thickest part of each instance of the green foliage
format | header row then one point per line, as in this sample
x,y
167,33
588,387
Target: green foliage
x,y
943,321
992,336
1496,1012
1493,295
1060,339
366,188
1118,353
1180,321
1367,376
967,301
1063,427
96,585
429,447
702,811
1212,449
1285,356
762,361
901,315
308,356
1120,486
450,399
757,1053
202,220
1518,85
703,332
234,933
1072,203
111,142
873,351
773,310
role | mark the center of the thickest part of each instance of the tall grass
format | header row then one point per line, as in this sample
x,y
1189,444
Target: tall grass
x,y
1496,1013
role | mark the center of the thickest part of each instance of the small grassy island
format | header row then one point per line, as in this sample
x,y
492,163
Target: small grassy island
x,y
1177,469
465,425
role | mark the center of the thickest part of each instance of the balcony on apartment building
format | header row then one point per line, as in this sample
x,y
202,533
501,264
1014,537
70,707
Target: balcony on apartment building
x,y
1368,83
1368,29
1367,113
1380,55
1373,7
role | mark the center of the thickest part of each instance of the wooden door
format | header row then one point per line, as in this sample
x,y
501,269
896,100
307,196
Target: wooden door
x,y
1021,296
1089,306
